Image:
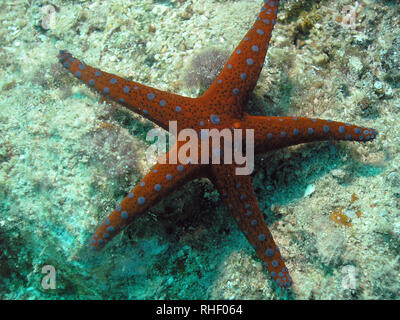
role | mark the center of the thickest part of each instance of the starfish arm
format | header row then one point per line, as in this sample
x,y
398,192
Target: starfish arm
x,y
157,184
238,78
237,192
272,133
155,105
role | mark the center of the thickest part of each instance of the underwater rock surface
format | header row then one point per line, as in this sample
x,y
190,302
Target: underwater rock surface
x,y
67,158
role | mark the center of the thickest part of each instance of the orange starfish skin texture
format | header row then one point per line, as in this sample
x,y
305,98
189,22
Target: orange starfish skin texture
x,y
222,106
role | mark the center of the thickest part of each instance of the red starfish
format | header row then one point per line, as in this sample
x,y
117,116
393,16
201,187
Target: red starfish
x,y
222,106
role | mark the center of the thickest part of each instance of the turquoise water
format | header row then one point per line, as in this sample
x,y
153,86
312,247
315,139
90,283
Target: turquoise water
x,y
67,159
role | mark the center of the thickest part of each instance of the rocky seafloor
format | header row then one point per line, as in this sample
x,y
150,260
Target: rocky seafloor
x,y
67,158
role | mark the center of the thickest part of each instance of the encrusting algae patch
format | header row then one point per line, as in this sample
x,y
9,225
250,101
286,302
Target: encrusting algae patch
x,y
341,216
59,145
